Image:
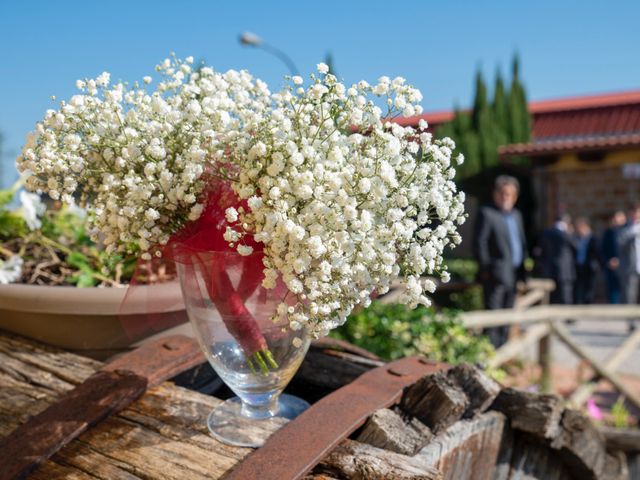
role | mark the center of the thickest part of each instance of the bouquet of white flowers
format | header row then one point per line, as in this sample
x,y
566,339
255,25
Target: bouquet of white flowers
x,y
340,199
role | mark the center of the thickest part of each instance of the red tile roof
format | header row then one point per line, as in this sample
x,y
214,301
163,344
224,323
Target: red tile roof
x,y
576,123
582,124
585,101
557,146
587,116
432,118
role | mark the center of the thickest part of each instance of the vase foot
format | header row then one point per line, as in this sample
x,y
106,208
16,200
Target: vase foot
x,y
228,425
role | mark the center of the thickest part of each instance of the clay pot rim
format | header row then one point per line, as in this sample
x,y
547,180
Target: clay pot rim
x,y
107,301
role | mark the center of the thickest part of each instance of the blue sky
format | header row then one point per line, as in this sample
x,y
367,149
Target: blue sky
x,y
566,47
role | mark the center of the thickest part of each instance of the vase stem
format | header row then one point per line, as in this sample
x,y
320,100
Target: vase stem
x,y
260,410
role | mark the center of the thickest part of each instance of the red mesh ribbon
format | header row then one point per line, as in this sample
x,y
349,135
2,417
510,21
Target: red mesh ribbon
x,y
200,245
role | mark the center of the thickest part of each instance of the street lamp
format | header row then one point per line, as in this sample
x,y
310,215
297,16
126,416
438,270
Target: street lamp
x,y
252,40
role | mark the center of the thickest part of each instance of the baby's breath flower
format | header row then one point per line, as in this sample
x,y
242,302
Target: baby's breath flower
x,y
340,214
138,157
10,269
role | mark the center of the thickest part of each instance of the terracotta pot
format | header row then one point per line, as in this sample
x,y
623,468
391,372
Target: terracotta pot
x,y
91,321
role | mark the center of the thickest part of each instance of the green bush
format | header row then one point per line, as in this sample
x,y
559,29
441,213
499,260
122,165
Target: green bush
x,y
392,331
462,269
467,300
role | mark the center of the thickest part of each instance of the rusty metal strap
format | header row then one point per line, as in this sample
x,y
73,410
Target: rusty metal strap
x,y
110,390
296,448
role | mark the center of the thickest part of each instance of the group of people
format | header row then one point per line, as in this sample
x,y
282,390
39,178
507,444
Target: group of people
x,y
569,253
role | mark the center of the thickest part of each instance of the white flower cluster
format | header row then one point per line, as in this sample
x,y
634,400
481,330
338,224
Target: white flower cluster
x,y
31,209
10,269
140,159
343,199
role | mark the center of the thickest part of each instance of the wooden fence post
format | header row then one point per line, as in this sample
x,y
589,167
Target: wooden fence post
x,y
544,360
544,355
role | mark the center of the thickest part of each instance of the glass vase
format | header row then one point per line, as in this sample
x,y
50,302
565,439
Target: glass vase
x,y
247,342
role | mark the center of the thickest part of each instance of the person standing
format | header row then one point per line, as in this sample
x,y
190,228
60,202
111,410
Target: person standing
x,y
629,245
611,256
500,248
559,259
587,262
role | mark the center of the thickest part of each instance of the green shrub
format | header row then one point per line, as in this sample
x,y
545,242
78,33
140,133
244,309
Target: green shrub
x,y
392,331
462,269
467,300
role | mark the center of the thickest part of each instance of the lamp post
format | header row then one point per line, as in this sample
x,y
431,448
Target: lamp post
x,y
252,40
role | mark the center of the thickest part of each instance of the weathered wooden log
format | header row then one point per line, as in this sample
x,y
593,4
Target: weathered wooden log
x,y
109,390
467,450
524,456
436,401
622,439
537,414
397,433
578,443
164,435
502,467
616,468
581,445
358,461
324,370
480,389
633,464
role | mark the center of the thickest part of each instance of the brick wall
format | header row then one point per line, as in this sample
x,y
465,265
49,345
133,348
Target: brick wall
x,y
594,192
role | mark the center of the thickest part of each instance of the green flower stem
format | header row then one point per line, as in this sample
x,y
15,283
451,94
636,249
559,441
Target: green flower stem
x,y
44,241
269,358
262,360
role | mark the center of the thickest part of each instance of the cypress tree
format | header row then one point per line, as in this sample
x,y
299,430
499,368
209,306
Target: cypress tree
x,y
519,118
500,103
480,132
480,102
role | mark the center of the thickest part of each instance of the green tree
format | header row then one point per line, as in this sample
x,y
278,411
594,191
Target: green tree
x,y
500,107
505,119
519,118
480,102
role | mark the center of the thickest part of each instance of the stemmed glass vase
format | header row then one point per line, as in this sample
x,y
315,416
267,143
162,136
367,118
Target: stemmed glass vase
x,y
247,342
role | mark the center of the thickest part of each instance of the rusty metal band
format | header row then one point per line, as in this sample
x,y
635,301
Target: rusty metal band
x,y
296,448
108,391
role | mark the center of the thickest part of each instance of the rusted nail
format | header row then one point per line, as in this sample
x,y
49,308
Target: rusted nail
x,y
397,373
426,361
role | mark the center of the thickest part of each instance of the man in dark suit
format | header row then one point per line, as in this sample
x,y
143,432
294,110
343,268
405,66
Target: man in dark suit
x,y
559,259
500,249
588,262
611,256
629,249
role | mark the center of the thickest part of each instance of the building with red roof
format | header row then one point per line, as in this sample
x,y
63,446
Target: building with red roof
x,y
584,152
